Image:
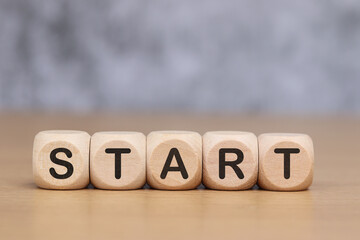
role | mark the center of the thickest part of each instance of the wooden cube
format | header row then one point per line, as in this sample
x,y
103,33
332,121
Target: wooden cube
x,y
118,160
286,161
174,160
61,159
230,160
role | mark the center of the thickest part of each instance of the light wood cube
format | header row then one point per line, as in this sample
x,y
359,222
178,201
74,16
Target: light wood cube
x,y
118,160
286,161
230,160
174,160
61,159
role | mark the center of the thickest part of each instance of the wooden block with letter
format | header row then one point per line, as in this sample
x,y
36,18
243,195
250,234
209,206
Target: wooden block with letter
x,y
230,160
286,161
118,160
174,160
61,159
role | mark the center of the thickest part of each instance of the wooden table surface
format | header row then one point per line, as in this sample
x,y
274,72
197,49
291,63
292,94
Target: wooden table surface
x,y
330,209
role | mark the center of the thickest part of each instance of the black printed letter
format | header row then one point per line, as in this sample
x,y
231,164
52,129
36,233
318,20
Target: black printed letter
x,y
287,152
233,164
54,159
118,152
174,152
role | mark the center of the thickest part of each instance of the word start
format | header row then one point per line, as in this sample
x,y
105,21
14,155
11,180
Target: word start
x,y
173,160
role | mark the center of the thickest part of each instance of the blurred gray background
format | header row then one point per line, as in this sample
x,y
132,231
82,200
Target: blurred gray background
x,y
254,56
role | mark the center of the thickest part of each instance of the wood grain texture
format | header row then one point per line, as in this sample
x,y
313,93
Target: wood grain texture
x,y
185,162
330,209
73,147
299,163
131,171
247,160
